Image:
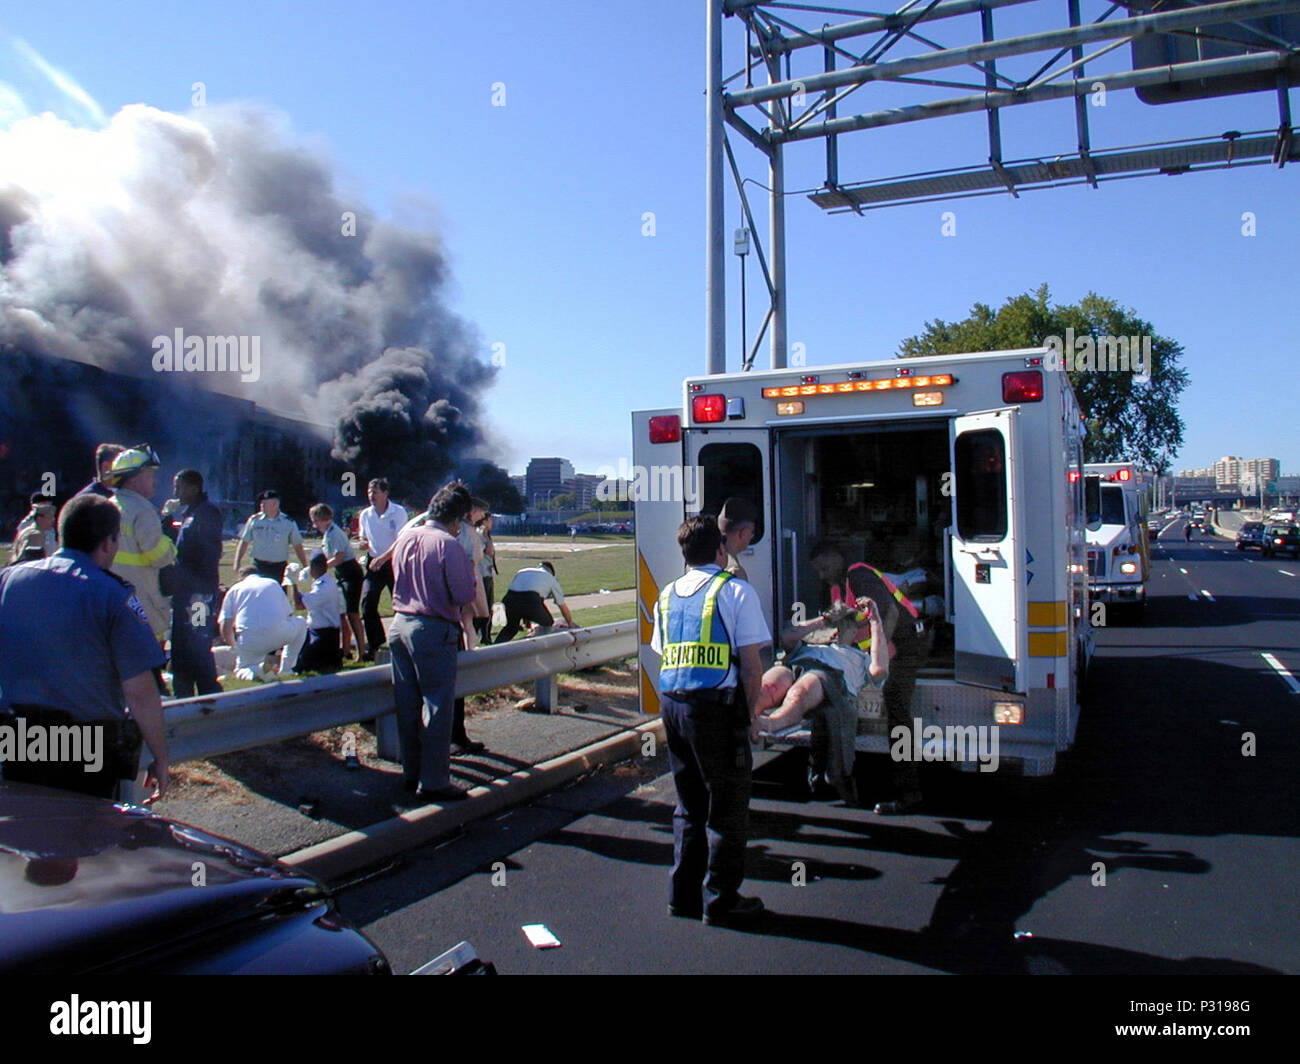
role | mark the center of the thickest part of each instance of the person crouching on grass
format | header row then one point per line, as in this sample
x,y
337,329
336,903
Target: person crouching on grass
x,y
339,556
324,604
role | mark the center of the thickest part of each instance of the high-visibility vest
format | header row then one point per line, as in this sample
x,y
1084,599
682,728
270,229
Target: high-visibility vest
x,y
696,646
851,600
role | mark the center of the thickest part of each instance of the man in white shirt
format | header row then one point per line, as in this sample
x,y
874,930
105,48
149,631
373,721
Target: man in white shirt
x,y
379,524
256,619
526,600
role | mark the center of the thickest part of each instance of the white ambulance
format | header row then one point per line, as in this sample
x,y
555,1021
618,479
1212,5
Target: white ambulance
x,y
1117,496
964,469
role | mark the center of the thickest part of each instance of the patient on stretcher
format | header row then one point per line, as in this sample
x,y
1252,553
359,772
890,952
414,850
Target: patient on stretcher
x,y
856,658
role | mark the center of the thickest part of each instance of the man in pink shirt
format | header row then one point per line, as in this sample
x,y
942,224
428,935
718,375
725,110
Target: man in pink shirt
x,y
433,579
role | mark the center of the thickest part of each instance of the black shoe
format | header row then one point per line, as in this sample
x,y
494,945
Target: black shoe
x,y
686,912
467,746
909,803
744,913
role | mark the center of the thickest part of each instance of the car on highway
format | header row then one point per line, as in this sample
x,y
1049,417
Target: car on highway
x,y
1251,534
1281,539
93,887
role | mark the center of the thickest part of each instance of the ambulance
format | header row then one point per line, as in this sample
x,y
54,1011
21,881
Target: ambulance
x,y
1119,546
961,476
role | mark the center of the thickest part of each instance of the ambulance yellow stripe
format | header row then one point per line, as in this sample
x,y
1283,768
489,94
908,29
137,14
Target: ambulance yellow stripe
x,y
1047,614
649,694
1047,644
648,598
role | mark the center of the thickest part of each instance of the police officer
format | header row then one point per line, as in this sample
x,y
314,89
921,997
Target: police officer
x,y
75,648
709,628
272,534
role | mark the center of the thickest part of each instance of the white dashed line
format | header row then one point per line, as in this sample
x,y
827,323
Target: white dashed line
x,y
1285,573
1207,594
1287,678
1183,571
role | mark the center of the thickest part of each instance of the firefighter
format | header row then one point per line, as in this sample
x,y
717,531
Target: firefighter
x,y
709,628
143,551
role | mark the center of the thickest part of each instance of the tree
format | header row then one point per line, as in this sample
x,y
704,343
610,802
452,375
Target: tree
x,y
1127,419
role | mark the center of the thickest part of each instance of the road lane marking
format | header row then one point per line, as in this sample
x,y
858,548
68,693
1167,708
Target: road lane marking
x,y
1207,594
1285,573
1183,571
1287,678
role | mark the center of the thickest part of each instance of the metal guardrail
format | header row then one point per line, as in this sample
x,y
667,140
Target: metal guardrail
x,y
238,720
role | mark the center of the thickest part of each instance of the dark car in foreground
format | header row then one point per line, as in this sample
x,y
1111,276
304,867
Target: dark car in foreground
x,y
1251,534
88,886
1281,539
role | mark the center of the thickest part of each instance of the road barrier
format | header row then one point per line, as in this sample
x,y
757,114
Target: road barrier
x,y
210,725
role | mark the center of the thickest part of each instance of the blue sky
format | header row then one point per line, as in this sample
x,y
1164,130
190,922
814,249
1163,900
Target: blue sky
x,y
540,202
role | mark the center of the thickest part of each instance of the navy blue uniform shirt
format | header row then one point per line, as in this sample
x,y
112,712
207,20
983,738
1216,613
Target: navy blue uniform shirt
x,y
70,633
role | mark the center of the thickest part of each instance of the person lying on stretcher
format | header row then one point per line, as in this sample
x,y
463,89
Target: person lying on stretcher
x,y
856,657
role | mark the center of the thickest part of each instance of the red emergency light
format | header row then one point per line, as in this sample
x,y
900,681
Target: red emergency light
x,y
1023,386
708,408
666,428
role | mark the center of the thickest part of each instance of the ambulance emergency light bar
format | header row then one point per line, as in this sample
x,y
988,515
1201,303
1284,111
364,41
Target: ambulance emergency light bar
x,y
811,386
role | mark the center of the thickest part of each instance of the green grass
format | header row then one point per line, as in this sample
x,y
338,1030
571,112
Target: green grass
x,y
593,615
579,573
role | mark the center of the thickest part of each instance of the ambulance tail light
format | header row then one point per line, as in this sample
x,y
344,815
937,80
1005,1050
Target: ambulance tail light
x,y
708,408
667,428
1010,713
1023,386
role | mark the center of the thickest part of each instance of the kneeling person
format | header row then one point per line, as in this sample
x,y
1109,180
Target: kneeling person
x,y
256,619
324,604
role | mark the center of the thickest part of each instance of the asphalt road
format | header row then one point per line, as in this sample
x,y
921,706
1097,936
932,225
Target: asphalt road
x,y
1166,844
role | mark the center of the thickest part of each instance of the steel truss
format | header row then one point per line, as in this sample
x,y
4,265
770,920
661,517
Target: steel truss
x,y
758,101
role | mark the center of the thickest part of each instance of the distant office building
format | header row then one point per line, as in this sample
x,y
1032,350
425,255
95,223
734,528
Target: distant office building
x,y
1205,471
545,479
520,486
584,488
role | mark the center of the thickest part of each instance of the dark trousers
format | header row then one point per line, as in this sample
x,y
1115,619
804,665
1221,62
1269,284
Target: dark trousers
x,y
898,700
424,653
522,606
483,625
711,761
373,586
322,651
271,570
119,753
194,629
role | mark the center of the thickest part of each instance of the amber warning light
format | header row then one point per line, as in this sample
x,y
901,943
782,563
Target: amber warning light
x,y
795,391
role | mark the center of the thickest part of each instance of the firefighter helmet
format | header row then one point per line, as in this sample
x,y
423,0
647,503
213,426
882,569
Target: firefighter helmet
x,y
130,462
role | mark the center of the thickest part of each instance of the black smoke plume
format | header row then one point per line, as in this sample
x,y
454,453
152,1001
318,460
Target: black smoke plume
x,y
218,223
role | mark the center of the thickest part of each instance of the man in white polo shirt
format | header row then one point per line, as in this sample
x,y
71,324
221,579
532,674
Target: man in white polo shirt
x,y
256,619
379,523
525,600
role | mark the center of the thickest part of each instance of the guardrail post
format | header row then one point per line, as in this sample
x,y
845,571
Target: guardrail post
x,y
548,693
387,745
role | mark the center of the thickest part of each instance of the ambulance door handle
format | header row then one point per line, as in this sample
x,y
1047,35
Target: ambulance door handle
x,y
793,537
